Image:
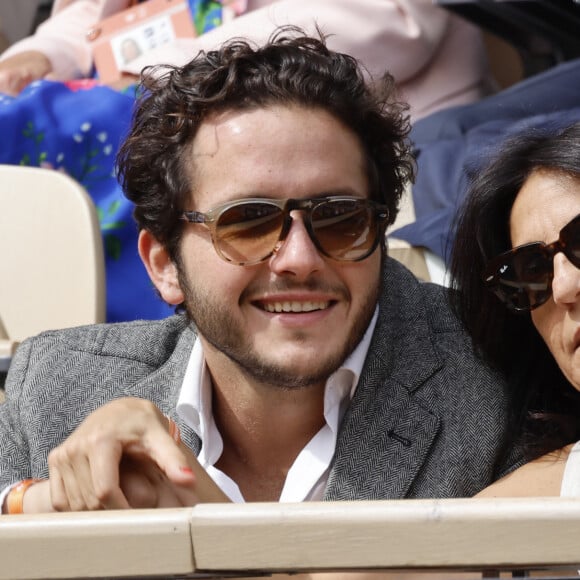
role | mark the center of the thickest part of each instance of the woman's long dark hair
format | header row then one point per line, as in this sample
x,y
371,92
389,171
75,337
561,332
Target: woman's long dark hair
x,y
545,407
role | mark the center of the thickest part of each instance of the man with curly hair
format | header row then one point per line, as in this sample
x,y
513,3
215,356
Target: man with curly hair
x,y
303,363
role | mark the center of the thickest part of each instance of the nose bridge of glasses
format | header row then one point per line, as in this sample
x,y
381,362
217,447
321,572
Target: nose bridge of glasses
x,y
297,218
298,221
570,260
571,250
293,204
569,242
571,253
565,282
295,209
554,248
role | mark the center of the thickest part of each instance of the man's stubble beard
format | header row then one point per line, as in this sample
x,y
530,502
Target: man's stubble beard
x,y
215,324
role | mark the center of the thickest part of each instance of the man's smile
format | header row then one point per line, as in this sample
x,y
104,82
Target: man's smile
x,y
294,306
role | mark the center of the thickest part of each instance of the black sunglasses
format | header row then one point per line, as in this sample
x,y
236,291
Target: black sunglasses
x,y
522,277
248,231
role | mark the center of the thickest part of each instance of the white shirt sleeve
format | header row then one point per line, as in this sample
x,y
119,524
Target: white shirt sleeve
x,y
4,493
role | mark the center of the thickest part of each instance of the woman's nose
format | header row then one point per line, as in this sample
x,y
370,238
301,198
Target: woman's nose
x,y
566,282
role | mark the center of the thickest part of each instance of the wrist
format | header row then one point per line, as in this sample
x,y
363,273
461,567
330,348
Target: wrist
x,y
37,499
14,502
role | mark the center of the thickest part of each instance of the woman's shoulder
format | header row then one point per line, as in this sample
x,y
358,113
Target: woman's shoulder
x,y
541,477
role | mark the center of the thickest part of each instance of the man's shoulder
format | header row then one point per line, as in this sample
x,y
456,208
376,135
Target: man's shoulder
x,y
439,308
143,340
407,298
418,331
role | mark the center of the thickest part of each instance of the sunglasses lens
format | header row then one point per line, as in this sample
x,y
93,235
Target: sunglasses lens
x,y
248,232
345,229
523,278
570,236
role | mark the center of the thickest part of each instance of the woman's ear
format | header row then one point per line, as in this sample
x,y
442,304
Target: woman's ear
x,y
160,267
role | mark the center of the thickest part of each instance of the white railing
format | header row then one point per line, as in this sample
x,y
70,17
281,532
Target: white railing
x,y
214,540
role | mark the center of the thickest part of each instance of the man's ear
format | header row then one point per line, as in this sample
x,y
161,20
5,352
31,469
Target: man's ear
x,y
160,267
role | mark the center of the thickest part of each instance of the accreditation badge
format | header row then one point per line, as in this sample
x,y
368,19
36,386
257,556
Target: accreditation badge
x,y
126,35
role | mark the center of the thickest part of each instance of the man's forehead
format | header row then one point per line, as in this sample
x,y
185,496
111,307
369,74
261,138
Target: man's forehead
x,y
238,126
215,128
275,151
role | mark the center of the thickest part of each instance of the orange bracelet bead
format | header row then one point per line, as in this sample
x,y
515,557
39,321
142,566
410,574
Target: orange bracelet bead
x,y
174,430
15,498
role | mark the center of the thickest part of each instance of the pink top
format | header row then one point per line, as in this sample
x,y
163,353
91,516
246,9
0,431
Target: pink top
x,y
437,59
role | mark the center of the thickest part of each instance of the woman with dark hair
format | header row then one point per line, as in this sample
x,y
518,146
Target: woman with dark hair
x,y
516,264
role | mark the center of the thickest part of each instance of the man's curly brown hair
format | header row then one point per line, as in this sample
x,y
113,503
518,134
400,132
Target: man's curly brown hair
x,y
154,162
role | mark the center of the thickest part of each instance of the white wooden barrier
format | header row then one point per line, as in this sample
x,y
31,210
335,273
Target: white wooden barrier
x,y
214,540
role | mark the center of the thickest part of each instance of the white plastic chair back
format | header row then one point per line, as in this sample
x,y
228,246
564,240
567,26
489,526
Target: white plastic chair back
x,y
52,272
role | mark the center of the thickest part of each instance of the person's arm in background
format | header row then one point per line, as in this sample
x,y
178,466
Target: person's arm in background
x,y
59,48
436,58
541,477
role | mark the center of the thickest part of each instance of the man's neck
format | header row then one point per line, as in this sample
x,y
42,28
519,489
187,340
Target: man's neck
x,y
264,428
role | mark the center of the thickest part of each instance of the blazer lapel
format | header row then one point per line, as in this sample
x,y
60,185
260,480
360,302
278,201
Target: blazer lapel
x,y
164,385
386,433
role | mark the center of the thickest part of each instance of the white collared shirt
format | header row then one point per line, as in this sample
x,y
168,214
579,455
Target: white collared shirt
x,y
306,479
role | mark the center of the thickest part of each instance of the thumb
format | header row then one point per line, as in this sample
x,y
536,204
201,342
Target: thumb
x,y
179,464
172,456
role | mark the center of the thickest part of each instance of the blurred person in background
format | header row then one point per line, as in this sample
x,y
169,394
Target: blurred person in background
x,y
437,59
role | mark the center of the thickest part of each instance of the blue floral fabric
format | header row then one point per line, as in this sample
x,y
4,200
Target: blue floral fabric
x,y
76,128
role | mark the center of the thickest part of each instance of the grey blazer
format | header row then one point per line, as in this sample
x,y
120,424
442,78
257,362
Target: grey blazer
x,y
427,420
